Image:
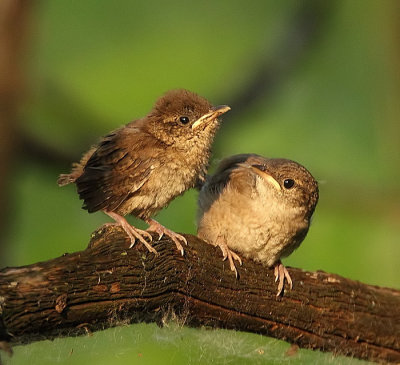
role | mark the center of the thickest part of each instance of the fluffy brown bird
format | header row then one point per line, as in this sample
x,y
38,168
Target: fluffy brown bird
x,y
257,207
139,168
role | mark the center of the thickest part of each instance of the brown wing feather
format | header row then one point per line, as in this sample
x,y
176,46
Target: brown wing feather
x,y
117,169
223,176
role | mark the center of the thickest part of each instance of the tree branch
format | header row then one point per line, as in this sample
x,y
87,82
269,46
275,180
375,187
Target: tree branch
x,y
109,284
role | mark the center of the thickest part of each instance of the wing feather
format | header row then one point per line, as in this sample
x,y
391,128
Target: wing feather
x,y
228,176
118,168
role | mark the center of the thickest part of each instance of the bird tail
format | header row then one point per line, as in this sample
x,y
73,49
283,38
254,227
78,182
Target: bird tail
x,y
65,179
77,169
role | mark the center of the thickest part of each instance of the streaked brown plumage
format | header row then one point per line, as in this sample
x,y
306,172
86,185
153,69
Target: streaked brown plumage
x,y
139,168
259,208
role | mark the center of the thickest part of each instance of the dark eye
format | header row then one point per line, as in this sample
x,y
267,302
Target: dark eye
x,y
184,120
288,183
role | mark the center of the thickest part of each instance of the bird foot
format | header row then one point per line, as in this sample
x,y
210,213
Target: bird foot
x,y
230,255
281,274
154,226
133,232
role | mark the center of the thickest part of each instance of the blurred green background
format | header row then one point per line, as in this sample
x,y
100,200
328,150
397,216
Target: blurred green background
x,y
314,81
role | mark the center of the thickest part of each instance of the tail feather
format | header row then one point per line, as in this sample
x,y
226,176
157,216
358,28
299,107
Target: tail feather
x,y
77,169
65,179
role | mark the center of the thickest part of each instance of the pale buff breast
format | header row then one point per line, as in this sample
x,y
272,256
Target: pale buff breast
x,y
256,227
168,180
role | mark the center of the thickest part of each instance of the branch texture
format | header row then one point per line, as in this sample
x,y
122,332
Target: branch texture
x,y
108,284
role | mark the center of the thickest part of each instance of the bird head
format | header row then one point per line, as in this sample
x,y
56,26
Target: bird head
x,y
181,117
288,180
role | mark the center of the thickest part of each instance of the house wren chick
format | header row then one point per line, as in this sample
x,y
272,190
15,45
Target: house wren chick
x,y
259,208
139,168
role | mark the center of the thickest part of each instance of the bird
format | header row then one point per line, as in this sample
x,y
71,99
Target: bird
x,y
140,167
259,208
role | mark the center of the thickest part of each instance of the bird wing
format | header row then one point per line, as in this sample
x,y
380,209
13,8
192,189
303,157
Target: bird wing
x,y
119,167
230,172
230,179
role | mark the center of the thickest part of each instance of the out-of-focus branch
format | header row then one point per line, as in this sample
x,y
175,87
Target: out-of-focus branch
x,y
276,67
272,70
14,19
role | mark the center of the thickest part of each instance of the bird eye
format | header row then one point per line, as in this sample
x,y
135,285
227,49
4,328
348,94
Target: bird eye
x,y
288,183
184,120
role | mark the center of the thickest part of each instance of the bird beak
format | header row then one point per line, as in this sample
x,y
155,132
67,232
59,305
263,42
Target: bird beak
x,y
266,176
214,113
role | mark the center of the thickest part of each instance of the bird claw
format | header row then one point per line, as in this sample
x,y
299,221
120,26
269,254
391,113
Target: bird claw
x,y
224,253
145,233
176,237
138,234
133,232
281,273
236,257
230,255
154,226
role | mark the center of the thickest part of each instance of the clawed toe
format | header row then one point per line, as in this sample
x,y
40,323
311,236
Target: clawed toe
x,y
176,238
236,257
230,255
281,274
133,233
138,234
154,226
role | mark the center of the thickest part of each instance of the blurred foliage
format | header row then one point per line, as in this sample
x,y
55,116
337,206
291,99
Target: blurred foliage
x,y
95,65
147,344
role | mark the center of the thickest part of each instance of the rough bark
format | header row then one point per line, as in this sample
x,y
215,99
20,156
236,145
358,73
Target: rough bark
x,y
109,284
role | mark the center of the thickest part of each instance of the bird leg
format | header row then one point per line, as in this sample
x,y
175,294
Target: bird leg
x,y
154,226
228,254
133,232
281,274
